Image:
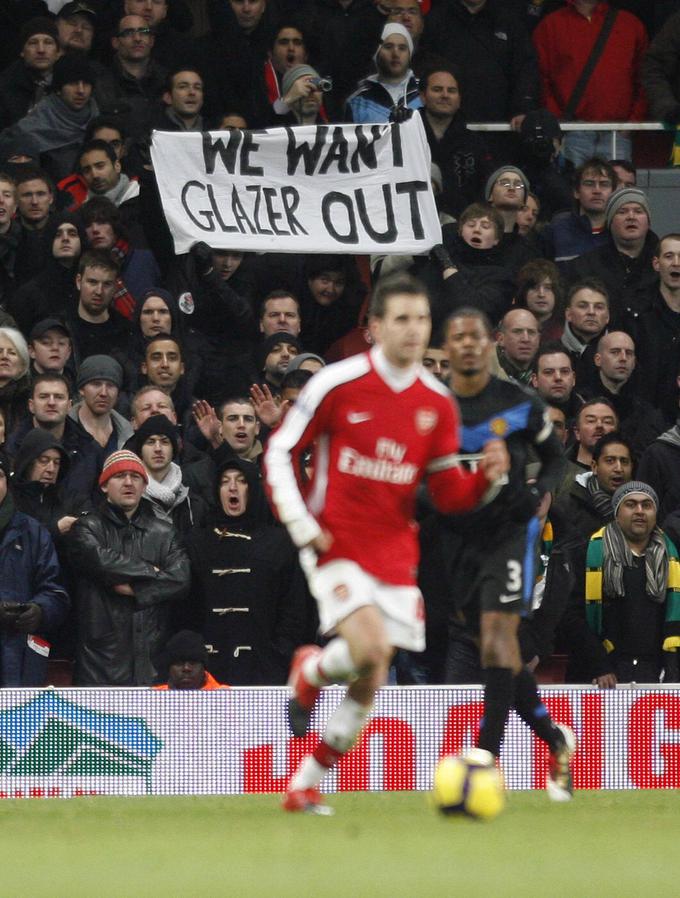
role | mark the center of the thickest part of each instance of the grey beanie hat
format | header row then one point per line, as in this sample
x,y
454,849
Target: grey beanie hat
x,y
626,195
292,75
99,367
633,486
296,363
501,171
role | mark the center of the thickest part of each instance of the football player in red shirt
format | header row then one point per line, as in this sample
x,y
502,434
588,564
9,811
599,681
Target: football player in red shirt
x,y
379,423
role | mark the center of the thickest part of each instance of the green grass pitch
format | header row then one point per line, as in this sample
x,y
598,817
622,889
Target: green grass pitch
x,y
602,844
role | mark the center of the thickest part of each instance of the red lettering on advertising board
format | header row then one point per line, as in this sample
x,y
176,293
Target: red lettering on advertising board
x,y
258,764
653,762
588,764
398,757
461,728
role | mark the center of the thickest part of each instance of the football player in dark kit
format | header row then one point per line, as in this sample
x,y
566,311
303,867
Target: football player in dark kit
x,y
490,551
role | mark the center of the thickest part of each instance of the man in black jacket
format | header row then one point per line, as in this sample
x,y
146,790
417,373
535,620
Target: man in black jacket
x,y
249,593
492,50
624,263
133,568
460,154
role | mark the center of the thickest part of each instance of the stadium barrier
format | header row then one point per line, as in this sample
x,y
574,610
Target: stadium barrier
x,y
69,742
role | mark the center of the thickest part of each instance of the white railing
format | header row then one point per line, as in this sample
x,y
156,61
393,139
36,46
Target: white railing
x,y
614,127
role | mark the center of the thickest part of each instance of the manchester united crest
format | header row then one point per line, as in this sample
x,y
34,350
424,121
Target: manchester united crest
x,y
426,420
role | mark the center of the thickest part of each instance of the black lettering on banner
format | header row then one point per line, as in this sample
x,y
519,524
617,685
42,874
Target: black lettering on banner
x,y
413,188
240,216
249,146
257,190
335,198
226,153
209,216
337,152
291,200
216,209
272,214
397,155
387,236
310,155
365,149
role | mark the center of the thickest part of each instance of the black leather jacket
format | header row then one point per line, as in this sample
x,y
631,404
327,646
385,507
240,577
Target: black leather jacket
x,y
119,635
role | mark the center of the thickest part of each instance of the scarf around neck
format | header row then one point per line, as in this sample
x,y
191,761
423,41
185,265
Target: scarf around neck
x,y
169,493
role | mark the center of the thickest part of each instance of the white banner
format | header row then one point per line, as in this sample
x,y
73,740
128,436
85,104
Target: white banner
x,y
314,188
236,741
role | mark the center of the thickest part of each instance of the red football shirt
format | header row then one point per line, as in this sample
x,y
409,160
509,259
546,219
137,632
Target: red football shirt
x,y
377,430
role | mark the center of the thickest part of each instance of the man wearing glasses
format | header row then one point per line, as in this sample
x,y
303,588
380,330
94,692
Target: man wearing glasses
x,y
137,81
506,190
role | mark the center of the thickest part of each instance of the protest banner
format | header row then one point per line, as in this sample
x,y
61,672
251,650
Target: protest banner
x,y
321,188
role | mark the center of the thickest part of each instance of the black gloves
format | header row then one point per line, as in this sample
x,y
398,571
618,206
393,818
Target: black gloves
x,y
441,258
203,258
399,114
20,618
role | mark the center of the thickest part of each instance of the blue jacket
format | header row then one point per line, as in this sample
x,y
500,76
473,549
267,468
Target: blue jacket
x,y
29,572
570,235
372,103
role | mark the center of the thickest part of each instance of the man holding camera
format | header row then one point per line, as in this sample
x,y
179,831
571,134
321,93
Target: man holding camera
x,y
301,101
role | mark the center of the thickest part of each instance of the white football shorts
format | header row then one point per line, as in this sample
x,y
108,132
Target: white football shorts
x,y
340,587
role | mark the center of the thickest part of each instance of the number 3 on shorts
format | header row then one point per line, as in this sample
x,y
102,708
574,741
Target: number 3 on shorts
x,y
514,582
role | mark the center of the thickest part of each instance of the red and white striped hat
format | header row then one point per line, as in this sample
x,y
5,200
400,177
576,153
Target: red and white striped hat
x,y
119,462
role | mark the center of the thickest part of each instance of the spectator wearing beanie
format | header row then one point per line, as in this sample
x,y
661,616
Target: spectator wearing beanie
x,y
301,101
133,570
393,84
99,381
273,356
56,125
181,664
624,263
156,442
26,81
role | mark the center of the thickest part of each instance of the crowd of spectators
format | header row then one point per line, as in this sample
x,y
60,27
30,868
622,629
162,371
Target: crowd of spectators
x,y
138,387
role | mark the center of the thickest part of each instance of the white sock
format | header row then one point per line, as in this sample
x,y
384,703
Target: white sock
x,y
345,724
334,665
308,775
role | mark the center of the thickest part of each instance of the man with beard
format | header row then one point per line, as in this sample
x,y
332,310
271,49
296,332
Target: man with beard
x,y
249,593
586,506
394,85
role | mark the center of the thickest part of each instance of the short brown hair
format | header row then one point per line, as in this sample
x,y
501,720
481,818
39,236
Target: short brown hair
x,y
483,210
394,284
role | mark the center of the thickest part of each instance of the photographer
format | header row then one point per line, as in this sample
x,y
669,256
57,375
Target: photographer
x,y
301,100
